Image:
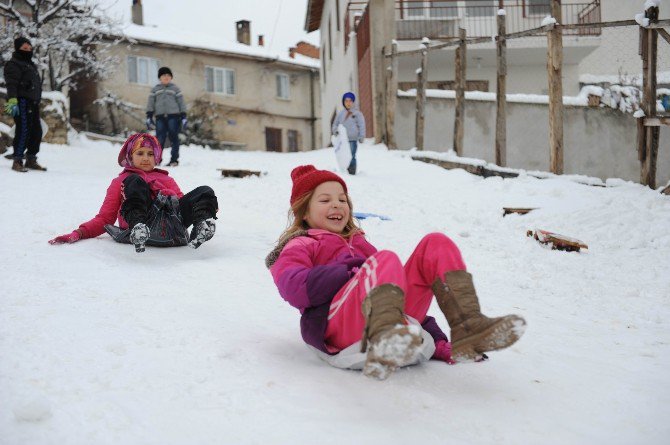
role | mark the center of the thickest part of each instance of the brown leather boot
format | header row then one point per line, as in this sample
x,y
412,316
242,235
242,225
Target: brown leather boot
x,y
472,333
17,166
31,163
389,340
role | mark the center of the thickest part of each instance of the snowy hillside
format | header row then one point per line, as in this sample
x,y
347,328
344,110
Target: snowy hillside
x,y
101,345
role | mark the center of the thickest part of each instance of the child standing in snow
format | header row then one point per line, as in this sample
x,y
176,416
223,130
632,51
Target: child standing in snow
x,y
354,121
150,207
166,104
353,297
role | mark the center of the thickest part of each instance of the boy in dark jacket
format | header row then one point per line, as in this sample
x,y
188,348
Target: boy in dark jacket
x,y
24,92
166,104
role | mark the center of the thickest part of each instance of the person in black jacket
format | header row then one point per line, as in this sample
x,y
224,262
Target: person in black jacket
x,y
24,92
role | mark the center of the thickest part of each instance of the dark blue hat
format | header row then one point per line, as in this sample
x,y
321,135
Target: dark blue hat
x,y
349,95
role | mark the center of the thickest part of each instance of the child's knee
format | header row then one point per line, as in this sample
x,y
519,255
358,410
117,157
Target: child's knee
x,y
438,238
386,257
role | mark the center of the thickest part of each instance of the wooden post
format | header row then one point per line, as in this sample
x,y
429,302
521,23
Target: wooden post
x,y
422,77
461,66
649,143
501,92
391,94
555,73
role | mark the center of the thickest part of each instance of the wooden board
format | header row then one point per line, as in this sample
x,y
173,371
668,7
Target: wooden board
x,y
518,210
230,173
557,241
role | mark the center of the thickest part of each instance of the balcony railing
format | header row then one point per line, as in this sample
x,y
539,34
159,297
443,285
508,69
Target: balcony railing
x,y
416,19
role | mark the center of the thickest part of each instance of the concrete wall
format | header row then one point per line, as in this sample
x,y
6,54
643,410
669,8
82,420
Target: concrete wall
x,y
243,116
598,142
618,52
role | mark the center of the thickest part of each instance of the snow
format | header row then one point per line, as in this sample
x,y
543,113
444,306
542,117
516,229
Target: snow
x,y
425,42
193,39
502,12
101,345
580,101
651,3
548,20
641,20
639,113
636,80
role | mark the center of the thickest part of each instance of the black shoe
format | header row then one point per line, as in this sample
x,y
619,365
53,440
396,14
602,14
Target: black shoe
x,y
17,166
31,163
202,232
352,169
139,236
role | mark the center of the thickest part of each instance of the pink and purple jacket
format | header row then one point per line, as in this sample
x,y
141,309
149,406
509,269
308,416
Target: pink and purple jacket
x,y
158,181
310,269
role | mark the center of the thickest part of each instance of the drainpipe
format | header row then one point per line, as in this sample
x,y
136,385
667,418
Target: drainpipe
x,y
311,106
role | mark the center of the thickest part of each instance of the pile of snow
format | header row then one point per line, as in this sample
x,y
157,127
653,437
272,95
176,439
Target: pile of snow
x,y
101,345
548,20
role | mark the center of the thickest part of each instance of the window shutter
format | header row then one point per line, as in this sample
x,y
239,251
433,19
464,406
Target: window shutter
x,y
230,82
132,69
209,79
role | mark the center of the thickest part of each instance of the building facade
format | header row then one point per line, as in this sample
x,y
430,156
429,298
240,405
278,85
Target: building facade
x,y
354,34
238,96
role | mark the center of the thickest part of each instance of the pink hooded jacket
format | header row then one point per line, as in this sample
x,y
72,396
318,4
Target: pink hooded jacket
x,y
109,212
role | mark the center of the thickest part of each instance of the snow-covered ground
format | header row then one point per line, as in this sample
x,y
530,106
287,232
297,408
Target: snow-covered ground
x,y
101,345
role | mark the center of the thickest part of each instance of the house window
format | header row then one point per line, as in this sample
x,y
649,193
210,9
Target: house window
x,y
142,70
323,64
480,8
443,9
538,7
292,140
220,80
431,9
330,41
283,87
337,13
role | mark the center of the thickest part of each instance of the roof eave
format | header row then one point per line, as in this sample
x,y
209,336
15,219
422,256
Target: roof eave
x,y
313,16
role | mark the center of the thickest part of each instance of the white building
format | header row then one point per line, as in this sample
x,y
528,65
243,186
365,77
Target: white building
x,y
354,33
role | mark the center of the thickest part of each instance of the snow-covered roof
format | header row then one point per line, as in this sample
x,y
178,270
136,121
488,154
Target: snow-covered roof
x,y
209,42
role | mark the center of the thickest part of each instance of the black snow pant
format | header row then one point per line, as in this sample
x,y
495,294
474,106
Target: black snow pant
x,y
28,131
166,216
197,205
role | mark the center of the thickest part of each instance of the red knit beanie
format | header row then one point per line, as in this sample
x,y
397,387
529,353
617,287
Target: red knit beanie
x,y
306,178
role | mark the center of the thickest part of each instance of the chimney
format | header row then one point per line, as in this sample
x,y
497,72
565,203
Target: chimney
x,y
136,12
244,31
291,52
261,41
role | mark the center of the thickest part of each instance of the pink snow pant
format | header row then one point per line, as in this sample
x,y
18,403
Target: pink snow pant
x,y
435,255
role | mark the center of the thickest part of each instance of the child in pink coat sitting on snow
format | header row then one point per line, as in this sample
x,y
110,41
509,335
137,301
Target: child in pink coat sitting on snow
x,y
149,206
354,298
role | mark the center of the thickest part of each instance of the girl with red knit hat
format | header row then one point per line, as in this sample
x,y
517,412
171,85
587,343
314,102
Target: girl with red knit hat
x,y
148,204
362,308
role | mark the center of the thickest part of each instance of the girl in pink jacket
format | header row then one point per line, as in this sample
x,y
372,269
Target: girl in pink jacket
x,y
355,299
148,204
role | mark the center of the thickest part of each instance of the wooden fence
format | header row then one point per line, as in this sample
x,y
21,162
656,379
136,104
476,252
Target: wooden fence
x,y
648,125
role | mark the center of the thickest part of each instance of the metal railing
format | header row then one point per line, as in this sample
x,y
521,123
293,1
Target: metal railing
x,y
434,19
416,19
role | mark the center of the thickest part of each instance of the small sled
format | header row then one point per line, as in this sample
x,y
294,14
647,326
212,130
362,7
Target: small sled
x,y
557,241
363,215
165,225
342,148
